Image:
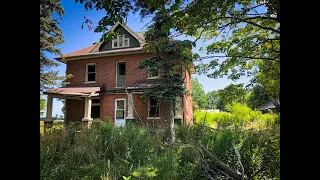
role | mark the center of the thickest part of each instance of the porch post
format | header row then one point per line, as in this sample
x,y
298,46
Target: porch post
x,y
49,108
87,111
65,112
130,105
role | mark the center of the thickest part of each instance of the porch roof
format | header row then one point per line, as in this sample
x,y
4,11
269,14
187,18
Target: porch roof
x,y
74,91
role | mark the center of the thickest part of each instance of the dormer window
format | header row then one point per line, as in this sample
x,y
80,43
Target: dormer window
x,y
120,41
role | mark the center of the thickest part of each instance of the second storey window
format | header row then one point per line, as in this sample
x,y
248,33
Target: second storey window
x,y
91,72
120,41
153,74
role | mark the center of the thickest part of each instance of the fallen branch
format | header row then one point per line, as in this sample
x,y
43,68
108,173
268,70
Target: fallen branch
x,y
222,165
239,161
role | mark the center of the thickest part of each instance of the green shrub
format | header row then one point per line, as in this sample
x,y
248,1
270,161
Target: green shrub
x,y
132,152
240,116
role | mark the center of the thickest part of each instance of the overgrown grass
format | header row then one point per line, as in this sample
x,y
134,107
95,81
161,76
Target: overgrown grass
x,y
132,152
239,116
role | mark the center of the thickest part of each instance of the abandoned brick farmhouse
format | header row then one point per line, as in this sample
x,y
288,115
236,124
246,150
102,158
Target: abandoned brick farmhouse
x,y
106,83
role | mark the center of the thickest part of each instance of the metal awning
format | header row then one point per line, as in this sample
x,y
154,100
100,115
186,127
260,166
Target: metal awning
x,y
74,91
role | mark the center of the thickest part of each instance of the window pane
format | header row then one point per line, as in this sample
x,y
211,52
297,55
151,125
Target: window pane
x,y
91,68
92,77
153,72
153,112
120,41
153,102
122,69
126,42
120,104
115,43
95,112
120,114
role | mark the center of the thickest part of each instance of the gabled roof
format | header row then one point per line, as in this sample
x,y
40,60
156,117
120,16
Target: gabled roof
x,y
135,35
94,49
268,105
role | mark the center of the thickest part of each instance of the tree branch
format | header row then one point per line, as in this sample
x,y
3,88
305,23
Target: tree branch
x,y
262,27
263,58
239,161
222,165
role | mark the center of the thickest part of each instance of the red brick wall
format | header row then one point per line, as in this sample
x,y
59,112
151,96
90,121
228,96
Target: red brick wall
x,y
106,74
106,69
107,105
107,108
75,110
187,101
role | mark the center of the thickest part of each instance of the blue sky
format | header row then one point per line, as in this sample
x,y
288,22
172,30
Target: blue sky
x,y
77,38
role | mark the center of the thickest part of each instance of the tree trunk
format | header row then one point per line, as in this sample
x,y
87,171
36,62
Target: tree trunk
x,y
171,135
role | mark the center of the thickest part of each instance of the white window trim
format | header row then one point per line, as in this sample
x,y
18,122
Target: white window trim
x,y
124,108
95,71
122,41
151,117
153,77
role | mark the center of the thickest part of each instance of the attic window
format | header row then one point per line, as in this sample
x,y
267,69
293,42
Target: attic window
x,y
120,41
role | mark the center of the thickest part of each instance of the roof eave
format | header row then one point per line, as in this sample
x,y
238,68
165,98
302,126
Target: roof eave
x,y
86,56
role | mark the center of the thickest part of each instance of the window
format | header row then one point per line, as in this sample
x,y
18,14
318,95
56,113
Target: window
x,y
120,41
153,74
95,108
122,69
91,73
121,74
154,108
120,109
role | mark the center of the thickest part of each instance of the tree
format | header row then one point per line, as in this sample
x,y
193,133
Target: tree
x,y
257,97
42,105
213,99
245,33
50,36
198,94
232,93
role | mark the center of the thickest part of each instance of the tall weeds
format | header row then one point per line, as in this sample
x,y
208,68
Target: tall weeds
x,y
133,152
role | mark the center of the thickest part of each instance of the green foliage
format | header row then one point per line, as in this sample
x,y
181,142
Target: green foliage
x,y
245,32
198,94
257,97
42,105
239,116
232,93
133,152
50,36
213,99
56,128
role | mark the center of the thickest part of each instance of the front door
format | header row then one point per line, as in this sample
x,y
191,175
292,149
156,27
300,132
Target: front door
x,y
120,112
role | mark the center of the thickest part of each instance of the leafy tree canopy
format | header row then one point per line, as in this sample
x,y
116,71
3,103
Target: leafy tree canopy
x,y
198,95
